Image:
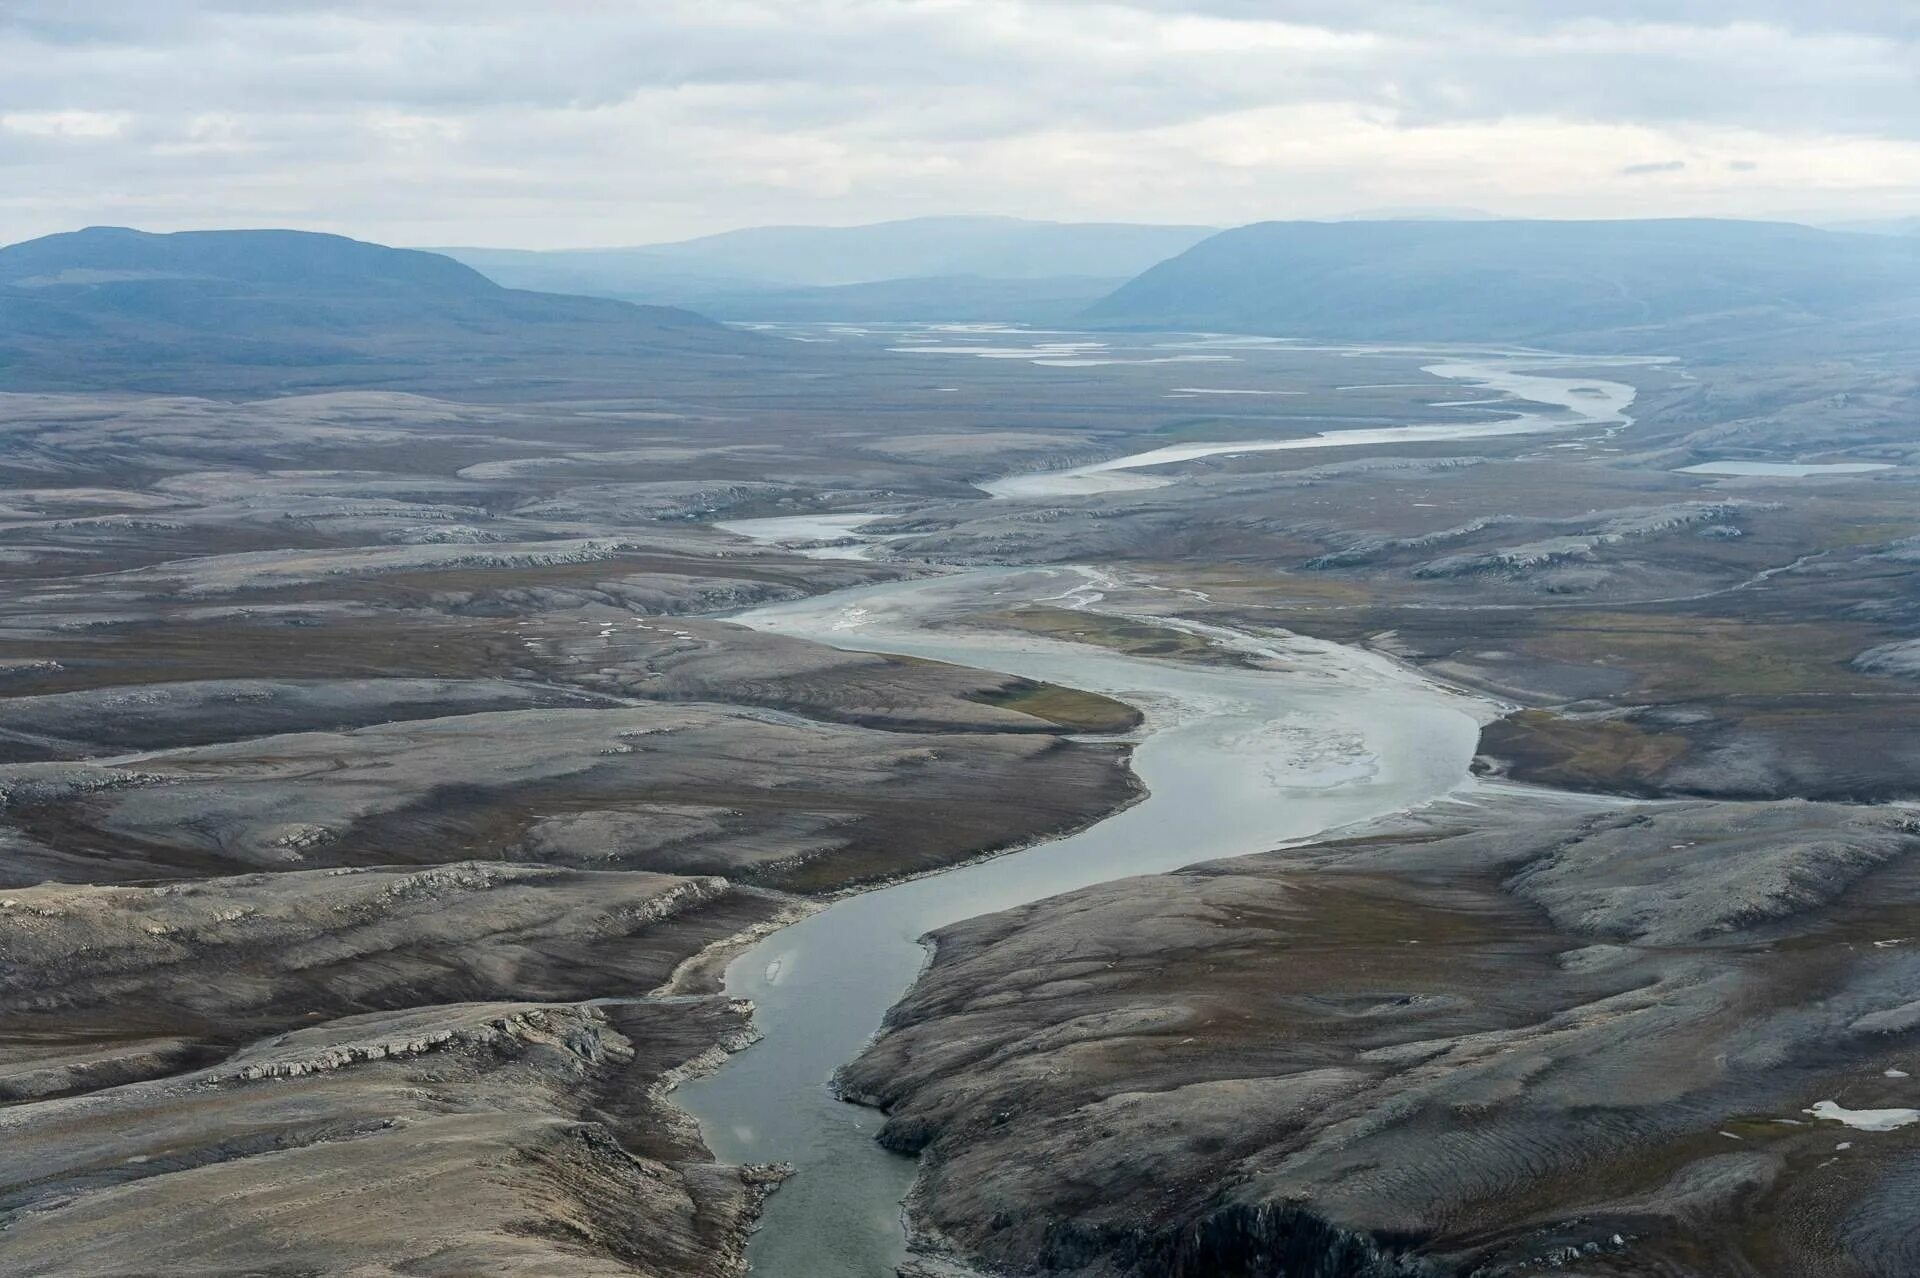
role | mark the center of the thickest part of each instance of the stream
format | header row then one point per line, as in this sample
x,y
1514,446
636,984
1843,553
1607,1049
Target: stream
x,y
1557,403
1234,760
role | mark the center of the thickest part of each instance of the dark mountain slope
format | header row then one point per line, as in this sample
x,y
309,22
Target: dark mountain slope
x,y
324,263
247,311
1699,286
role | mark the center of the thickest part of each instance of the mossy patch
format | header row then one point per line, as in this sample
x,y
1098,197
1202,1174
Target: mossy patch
x,y
1583,753
1848,536
1687,658
1253,584
1070,708
1121,634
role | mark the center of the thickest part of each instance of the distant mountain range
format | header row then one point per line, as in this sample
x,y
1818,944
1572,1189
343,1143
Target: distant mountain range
x,y
1885,226
113,307
245,312
960,267
822,256
1685,285
1693,286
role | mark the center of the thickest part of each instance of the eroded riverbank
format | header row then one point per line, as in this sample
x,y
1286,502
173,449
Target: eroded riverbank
x,y
1235,761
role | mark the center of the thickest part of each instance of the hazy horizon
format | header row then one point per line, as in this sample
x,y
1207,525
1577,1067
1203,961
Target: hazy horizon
x,y
488,124
1363,216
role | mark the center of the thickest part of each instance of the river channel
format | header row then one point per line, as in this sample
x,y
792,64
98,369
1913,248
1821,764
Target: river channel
x,y
1234,761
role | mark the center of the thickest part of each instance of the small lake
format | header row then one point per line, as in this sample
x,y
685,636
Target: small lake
x,y
809,536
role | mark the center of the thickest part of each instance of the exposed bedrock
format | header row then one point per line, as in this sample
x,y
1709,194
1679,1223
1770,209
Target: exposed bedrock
x,y
504,1138
328,926
99,985
224,674
203,711
706,660
1857,750
1901,659
696,789
365,1071
1539,1035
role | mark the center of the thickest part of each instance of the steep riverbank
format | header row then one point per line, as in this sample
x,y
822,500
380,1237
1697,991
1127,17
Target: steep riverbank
x,y
1234,760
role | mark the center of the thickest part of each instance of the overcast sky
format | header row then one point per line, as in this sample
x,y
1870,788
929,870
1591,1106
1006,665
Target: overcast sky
x,y
546,123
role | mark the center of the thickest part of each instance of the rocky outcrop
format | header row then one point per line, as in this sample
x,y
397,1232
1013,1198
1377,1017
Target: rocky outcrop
x,y
1580,546
446,1140
1900,659
70,725
1519,1039
101,986
793,803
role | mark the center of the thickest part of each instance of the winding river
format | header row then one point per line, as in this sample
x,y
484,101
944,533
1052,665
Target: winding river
x,y
1235,761
1553,403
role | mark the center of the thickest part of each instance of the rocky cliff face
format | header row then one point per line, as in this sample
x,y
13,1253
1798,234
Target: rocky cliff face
x,y
192,1080
488,1137
374,813
1580,1037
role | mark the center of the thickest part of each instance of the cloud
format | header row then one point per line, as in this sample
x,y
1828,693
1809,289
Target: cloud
x,y
1658,166
583,121
64,124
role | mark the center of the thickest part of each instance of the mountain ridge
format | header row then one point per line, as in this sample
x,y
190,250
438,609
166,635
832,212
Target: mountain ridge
x,y
112,307
1598,285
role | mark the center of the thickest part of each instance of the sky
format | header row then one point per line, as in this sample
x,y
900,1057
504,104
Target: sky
x,y
568,123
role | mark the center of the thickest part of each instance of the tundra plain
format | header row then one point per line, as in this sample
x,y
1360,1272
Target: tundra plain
x,y
383,787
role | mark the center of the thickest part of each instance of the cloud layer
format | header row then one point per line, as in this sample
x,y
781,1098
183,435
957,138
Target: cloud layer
x,y
622,121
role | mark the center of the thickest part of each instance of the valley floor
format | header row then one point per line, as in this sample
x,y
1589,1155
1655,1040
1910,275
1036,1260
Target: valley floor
x,y
385,782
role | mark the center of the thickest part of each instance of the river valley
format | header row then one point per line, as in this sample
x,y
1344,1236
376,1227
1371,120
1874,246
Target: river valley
x,y
1234,761
504,782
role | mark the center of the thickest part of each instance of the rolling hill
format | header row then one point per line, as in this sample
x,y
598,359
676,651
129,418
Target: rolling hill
x,y
109,307
1699,286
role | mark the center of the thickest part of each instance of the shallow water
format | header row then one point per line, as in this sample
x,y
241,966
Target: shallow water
x,y
798,533
1785,470
1236,761
1561,403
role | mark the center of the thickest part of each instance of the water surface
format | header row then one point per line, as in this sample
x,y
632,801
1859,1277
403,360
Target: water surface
x,y
1550,403
1236,761
1785,470
809,536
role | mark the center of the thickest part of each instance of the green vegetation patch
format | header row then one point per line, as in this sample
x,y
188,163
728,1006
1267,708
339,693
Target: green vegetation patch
x,y
1605,754
1070,708
1121,634
1683,658
1847,536
1258,584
